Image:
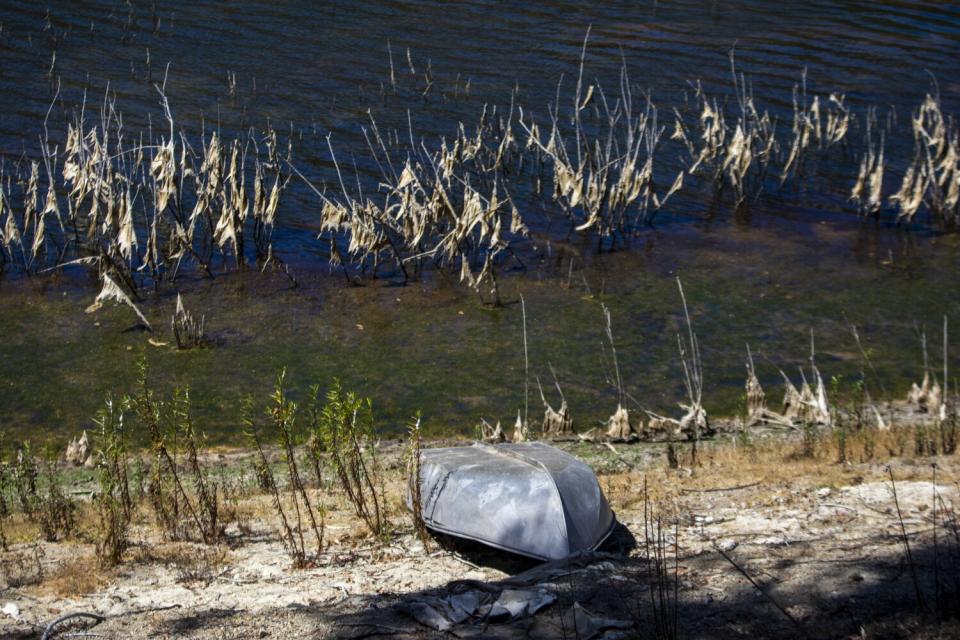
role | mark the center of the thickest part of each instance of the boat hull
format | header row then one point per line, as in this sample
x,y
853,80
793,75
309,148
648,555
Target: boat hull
x,y
527,498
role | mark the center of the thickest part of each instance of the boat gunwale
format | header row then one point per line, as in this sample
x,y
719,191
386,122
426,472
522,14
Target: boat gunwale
x,y
504,547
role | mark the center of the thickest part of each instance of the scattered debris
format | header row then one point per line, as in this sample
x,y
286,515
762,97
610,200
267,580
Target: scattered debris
x,y
444,612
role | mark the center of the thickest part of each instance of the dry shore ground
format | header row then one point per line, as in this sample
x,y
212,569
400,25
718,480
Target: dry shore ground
x,y
769,544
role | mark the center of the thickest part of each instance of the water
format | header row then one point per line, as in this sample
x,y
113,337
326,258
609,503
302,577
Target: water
x,y
796,259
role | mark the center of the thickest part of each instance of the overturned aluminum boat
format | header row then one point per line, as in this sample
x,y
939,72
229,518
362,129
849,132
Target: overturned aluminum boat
x,y
527,498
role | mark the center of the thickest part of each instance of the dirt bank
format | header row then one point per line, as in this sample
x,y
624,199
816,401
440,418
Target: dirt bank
x,y
804,547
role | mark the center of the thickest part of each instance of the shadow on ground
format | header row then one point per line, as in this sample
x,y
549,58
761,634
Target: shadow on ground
x,y
607,595
620,542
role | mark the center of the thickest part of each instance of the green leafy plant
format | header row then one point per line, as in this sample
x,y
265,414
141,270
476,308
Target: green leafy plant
x,y
164,488
170,427
297,512
841,433
55,513
316,453
113,502
346,430
414,458
292,539
206,510
283,413
25,475
948,434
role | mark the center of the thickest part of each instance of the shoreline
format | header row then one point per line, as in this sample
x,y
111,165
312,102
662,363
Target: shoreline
x,y
762,503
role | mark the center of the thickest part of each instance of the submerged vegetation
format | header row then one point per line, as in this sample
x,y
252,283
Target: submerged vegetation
x,y
152,199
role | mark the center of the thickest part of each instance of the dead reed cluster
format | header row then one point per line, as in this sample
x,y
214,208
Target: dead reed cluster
x,y
448,206
137,208
849,415
933,177
602,170
804,407
850,422
622,426
186,330
603,164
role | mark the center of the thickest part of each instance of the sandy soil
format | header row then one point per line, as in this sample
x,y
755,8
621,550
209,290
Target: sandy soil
x,y
820,554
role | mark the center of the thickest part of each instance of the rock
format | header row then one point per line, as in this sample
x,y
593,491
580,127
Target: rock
x,y
824,492
726,545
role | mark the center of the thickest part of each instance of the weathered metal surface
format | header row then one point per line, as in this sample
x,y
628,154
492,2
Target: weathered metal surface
x,y
528,498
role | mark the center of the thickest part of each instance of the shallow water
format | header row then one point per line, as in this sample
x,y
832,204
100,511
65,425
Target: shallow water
x,y
433,347
792,262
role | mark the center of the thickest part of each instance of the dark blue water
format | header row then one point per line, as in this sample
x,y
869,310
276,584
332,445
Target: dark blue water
x,y
313,69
